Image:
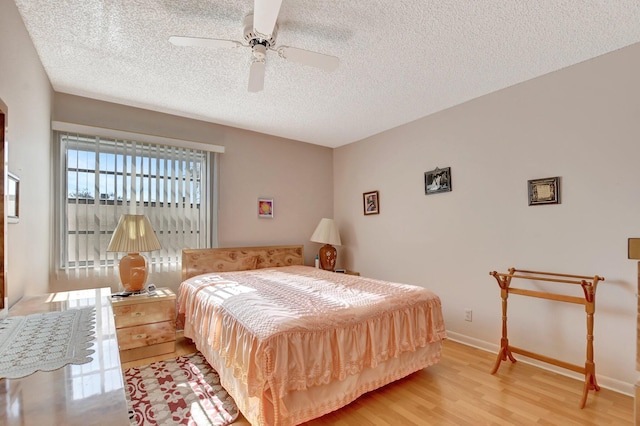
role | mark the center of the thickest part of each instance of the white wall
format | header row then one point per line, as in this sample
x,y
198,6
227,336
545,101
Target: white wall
x,y
582,124
25,89
298,176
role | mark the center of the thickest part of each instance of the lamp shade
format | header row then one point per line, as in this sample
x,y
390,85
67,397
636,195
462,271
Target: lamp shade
x,y
134,234
326,233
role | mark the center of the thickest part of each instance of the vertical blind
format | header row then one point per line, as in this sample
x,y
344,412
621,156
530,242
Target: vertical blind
x,y
102,178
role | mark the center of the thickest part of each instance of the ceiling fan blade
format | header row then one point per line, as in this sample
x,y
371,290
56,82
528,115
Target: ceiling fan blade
x,y
204,42
256,76
265,15
306,57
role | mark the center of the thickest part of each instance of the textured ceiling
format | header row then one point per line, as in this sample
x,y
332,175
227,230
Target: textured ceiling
x,y
399,61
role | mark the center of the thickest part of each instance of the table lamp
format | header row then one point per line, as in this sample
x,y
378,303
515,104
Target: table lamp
x,y
134,234
327,233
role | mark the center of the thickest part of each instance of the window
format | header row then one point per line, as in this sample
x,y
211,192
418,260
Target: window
x,y
102,178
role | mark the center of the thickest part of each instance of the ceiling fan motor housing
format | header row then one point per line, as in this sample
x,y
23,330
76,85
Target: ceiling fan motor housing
x,y
258,42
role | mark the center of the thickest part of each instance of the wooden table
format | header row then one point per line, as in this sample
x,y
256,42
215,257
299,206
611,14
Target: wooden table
x,y
86,394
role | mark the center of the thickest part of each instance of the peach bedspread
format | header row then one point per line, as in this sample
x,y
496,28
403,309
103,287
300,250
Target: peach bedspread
x,y
288,329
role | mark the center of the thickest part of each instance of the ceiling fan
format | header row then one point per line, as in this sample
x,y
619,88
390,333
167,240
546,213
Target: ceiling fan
x,y
260,31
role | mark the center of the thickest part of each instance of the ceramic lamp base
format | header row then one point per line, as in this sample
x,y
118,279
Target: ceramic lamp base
x,y
328,255
133,272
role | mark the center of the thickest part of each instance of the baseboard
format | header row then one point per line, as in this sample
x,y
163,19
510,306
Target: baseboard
x,y
604,381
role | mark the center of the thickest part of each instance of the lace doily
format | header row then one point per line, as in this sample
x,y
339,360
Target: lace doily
x,y
45,341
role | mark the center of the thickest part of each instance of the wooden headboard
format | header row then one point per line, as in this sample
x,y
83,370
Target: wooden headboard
x,y
202,261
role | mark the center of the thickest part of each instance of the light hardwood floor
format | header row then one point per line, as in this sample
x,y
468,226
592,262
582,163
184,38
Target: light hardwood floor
x,y
460,390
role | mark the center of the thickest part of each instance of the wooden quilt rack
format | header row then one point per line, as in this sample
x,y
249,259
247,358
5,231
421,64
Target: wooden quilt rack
x,y
588,285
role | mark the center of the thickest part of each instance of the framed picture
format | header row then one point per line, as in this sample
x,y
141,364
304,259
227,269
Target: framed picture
x,y
265,207
371,202
544,191
437,180
633,248
13,198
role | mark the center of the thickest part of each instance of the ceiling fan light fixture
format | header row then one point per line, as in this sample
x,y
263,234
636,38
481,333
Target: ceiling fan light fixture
x,y
259,51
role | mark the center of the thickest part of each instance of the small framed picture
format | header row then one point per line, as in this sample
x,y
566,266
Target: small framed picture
x,y
265,207
544,191
437,180
13,198
371,202
633,248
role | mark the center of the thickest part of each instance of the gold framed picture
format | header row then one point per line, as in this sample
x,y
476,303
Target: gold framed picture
x,y
544,191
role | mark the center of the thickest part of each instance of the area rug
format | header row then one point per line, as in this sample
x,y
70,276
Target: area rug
x,y
45,341
179,391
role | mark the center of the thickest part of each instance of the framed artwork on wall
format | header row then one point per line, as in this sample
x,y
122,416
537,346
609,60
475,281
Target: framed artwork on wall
x,y
437,180
265,208
633,250
544,191
13,198
371,202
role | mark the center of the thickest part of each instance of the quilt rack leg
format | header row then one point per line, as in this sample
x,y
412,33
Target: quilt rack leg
x,y
503,354
504,351
590,383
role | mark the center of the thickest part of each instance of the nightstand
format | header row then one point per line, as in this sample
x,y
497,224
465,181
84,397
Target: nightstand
x,y
145,324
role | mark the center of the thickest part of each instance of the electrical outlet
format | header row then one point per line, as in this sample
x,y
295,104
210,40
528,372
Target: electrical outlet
x,y
468,315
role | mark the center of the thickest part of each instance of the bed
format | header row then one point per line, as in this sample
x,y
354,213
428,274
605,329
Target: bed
x,y
292,342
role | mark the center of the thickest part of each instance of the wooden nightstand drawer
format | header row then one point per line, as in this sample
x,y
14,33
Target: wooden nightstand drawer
x,y
146,335
144,313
